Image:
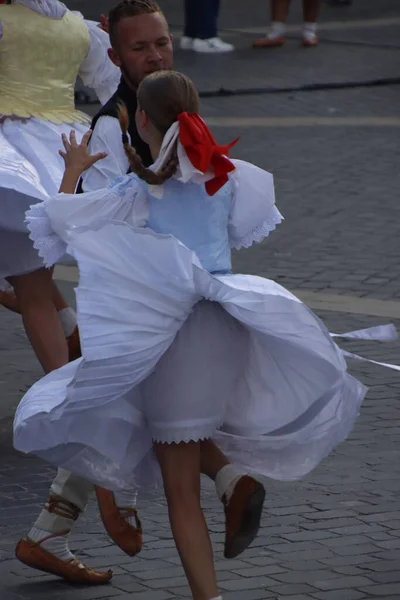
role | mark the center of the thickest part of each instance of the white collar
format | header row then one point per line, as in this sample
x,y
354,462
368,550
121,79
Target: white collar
x,y
185,172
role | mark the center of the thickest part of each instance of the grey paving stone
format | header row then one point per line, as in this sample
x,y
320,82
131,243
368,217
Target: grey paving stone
x,y
301,536
292,589
342,583
248,583
355,550
346,540
331,524
385,566
340,561
385,577
344,595
150,595
305,576
385,589
259,571
249,595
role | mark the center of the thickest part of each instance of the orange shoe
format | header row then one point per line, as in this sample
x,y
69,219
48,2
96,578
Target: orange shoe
x,y
310,42
9,300
127,537
74,345
243,515
266,42
31,554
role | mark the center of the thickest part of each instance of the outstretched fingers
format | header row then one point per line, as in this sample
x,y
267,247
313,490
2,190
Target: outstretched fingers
x,y
65,142
72,138
86,138
98,156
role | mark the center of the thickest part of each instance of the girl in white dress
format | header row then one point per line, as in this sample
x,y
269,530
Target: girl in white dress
x,y
178,350
43,48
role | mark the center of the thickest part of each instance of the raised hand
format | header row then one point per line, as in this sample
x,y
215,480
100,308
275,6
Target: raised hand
x,y
76,156
103,23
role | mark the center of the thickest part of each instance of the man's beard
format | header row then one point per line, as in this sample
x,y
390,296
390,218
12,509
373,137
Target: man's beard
x,y
134,82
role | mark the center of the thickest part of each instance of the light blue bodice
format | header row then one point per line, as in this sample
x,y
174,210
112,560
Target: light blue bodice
x,y
198,220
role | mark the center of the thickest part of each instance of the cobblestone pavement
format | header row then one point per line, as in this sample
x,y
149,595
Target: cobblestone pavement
x,y
336,534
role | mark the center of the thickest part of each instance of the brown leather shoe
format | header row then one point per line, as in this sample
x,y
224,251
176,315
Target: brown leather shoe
x,y
269,43
31,554
243,515
127,537
74,345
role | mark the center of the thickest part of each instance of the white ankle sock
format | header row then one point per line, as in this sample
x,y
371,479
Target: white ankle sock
x,y
277,29
126,499
56,545
216,598
225,481
309,31
68,320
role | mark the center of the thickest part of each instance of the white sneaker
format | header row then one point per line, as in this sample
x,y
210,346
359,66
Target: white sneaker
x,y
186,43
211,45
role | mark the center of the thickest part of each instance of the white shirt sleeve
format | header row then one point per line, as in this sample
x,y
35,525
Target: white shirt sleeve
x,y
97,71
50,222
106,137
253,214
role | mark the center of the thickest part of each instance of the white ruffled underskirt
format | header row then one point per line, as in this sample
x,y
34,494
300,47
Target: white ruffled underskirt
x,y
30,171
172,353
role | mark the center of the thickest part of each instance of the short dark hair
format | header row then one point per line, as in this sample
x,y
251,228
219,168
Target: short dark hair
x,y
129,8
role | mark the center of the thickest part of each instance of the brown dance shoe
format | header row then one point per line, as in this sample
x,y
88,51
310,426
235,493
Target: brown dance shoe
x,y
33,555
74,345
127,537
243,515
266,42
9,300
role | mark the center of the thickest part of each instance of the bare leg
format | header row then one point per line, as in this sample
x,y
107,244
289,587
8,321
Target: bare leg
x,y
10,301
279,10
311,10
34,292
180,466
58,299
212,459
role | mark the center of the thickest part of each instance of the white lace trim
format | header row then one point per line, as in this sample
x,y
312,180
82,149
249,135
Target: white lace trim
x,y
260,232
184,434
49,245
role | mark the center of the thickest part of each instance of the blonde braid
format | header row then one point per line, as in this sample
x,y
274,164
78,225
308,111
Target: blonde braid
x,y
135,161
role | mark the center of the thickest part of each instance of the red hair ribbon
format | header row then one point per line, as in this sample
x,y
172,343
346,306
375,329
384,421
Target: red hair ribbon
x,y
203,151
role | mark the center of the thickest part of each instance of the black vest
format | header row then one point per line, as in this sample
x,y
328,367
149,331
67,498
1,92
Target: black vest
x,y
128,96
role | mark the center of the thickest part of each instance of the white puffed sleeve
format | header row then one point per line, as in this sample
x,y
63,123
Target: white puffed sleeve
x,y
50,222
97,71
253,214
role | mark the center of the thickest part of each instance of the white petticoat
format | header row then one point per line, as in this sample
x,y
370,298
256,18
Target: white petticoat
x,y
30,170
173,353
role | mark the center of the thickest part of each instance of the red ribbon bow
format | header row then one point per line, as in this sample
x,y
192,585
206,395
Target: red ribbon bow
x,y
203,151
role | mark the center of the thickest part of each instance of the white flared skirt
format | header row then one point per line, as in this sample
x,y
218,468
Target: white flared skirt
x,y
30,170
172,353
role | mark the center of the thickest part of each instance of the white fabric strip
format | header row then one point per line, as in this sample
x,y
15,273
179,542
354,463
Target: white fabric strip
x,y
374,362
380,333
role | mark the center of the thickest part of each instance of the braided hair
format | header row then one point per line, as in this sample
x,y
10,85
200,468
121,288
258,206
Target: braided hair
x,y
135,162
